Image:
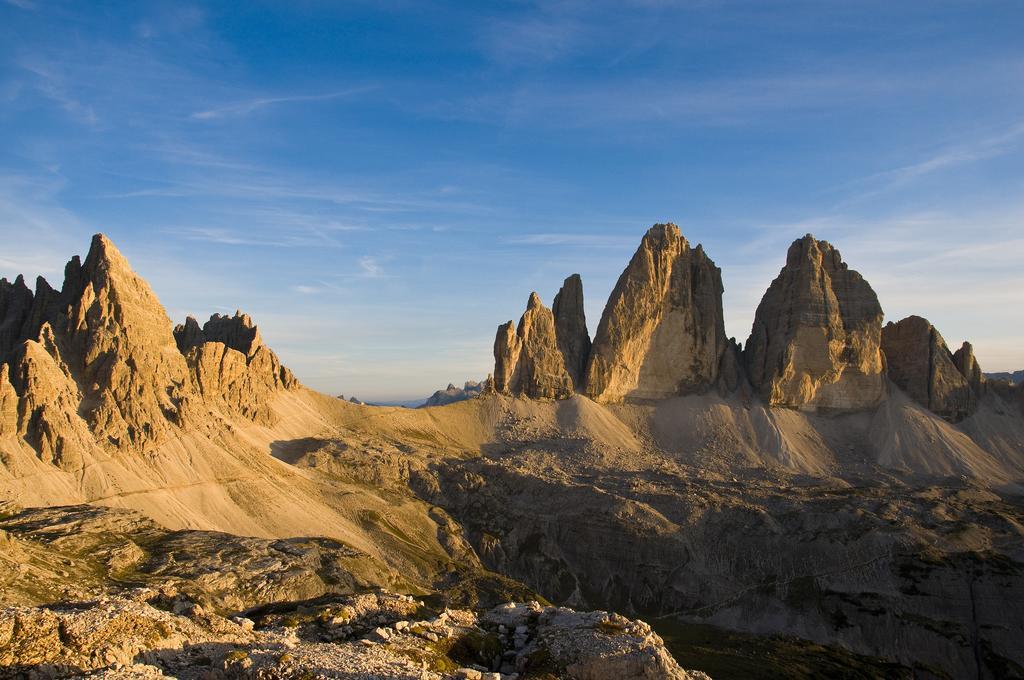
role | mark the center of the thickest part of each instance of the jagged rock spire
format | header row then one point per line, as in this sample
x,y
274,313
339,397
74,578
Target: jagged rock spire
x,y
968,366
527,360
571,329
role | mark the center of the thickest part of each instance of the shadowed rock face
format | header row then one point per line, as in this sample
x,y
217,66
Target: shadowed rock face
x,y
662,333
920,364
571,329
816,334
527,361
968,366
15,305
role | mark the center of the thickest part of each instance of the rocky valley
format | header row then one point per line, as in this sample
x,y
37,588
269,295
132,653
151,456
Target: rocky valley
x,y
833,497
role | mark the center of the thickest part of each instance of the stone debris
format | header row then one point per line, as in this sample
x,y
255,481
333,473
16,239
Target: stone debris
x,y
139,634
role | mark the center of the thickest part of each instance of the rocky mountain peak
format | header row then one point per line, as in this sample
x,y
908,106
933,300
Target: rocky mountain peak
x,y
920,364
815,339
104,257
663,236
571,329
662,332
188,335
96,364
527,359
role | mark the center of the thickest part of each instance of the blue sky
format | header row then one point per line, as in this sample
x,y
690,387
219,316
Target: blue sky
x,y
381,184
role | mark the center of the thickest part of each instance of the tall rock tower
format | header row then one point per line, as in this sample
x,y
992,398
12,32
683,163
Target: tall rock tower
x,y
662,333
815,343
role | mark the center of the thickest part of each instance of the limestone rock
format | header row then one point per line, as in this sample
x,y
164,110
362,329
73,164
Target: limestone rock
x,y
586,645
230,363
48,403
920,364
96,364
222,373
8,403
527,360
571,329
816,334
968,366
241,335
730,372
506,354
121,350
662,333
237,332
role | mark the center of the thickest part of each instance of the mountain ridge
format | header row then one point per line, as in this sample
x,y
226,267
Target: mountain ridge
x,y
709,505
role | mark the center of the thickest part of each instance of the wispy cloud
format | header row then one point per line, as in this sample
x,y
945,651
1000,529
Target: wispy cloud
x,y
51,83
582,240
244,108
530,39
28,205
263,185
22,4
371,268
277,239
964,153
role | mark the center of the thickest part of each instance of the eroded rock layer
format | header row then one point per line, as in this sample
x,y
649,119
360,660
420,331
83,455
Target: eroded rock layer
x,y
816,334
920,364
662,333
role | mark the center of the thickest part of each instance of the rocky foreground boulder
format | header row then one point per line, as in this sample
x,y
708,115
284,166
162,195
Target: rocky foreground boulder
x,y
816,334
920,364
149,633
126,597
662,333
